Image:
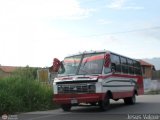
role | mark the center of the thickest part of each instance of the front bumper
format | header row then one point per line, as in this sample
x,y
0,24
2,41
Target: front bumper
x,y
79,98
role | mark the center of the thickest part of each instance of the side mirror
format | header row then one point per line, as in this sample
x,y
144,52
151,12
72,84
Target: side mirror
x,y
56,65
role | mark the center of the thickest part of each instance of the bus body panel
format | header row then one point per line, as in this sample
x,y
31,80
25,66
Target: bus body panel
x,y
123,83
121,86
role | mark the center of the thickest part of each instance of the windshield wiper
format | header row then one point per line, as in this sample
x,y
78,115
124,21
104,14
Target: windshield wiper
x,y
85,62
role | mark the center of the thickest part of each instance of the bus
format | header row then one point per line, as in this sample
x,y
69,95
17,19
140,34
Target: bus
x,y
96,77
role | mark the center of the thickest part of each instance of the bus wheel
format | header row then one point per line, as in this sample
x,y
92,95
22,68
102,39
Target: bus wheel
x,y
105,103
66,107
130,100
93,103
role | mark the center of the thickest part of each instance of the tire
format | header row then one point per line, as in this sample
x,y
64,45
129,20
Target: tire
x,y
93,103
66,107
105,103
130,100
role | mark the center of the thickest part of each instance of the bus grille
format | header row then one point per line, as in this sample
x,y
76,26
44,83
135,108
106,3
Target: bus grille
x,y
74,88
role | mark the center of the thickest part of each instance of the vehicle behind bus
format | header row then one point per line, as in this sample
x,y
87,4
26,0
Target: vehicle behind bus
x,y
95,78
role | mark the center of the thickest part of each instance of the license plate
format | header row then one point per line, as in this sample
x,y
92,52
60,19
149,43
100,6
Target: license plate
x,y
74,101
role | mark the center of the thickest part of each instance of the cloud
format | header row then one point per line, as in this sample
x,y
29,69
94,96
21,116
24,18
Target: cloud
x,y
54,9
122,5
27,36
133,8
104,22
116,4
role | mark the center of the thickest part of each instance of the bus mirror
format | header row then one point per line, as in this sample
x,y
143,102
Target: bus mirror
x,y
107,60
56,65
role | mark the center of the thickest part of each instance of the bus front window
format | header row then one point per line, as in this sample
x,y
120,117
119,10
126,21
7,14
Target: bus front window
x,y
70,65
92,64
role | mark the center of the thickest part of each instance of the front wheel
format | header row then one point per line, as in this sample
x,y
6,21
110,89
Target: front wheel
x,y
93,103
105,103
66,107
130,100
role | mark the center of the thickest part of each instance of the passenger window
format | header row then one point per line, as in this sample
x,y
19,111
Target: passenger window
x,y
124,65
137,68
131,66
115,63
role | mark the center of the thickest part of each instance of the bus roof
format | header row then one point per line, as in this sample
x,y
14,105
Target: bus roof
x,y
88,52
100,51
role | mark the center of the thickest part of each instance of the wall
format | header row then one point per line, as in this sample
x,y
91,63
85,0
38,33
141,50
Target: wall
x,y
156,75
151,85
43,75
147,71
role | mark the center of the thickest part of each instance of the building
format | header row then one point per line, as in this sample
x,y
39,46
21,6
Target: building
x,y
6,71
147,69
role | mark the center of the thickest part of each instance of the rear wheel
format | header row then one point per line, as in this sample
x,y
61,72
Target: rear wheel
x,y
105,103
93,103
130,100
66,107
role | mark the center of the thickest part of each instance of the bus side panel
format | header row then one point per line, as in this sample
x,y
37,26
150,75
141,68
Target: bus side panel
x,y
120,95
140,85
122,86
119,86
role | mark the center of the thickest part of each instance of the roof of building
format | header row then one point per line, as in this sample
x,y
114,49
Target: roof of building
x,y
8,69
144,63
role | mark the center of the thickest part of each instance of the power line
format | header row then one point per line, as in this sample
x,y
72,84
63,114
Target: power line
x,y
123,32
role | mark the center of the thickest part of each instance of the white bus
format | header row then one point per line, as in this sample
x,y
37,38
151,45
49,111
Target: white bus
x,y
95,78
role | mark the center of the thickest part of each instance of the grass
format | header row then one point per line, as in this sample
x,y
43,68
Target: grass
x,y
153,92
22,93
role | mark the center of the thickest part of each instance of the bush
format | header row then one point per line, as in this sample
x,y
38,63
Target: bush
x,y
153,92
21,93
9,103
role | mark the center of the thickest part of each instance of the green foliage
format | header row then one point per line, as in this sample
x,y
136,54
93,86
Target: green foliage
x,y
153,92
21,93
26,73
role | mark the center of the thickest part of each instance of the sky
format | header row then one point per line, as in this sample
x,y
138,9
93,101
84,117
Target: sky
x,y
33,32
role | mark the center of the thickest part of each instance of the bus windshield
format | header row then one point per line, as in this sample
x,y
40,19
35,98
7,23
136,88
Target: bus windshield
x,y
83,64
70,65
91,64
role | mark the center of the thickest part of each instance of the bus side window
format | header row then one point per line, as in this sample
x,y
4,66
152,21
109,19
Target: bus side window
x,y
137,68
124,65
115,63
131,66
113,67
